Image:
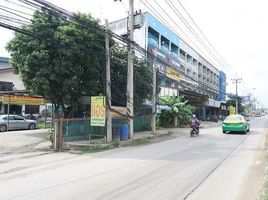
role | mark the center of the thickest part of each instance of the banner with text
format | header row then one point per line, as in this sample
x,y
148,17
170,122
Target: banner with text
x,y
97,111
22,100
172,73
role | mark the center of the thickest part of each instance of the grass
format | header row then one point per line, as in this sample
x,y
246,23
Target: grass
x,y
98,148
141,141
41,125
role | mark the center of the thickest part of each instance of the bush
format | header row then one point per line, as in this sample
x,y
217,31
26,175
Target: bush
x,y
178,110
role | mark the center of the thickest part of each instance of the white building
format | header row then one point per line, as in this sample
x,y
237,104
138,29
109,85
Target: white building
x,y
11,88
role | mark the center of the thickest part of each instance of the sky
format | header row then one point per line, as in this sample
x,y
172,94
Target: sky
x,y
237,30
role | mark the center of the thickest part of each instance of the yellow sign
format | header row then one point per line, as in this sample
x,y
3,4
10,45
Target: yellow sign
x,y
98,112
172,73
232,110
22,100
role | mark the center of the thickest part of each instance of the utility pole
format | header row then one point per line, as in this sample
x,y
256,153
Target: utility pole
x,y
108,86
154,93
236,81
130,96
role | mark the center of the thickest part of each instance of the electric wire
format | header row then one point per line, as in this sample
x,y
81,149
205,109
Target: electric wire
x,y
179,15
144,51
203,33
159,16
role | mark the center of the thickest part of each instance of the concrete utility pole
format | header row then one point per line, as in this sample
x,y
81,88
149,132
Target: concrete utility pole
x,y
154,93
108,86
236,81
130,96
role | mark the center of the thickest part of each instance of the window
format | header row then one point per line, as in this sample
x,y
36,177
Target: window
x,y
174,50
9,118
164,44
189,59
182,54
30,109
153,37
19,118
194,62
6,86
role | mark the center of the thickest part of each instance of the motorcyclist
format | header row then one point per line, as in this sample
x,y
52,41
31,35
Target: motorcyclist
x,y
195,123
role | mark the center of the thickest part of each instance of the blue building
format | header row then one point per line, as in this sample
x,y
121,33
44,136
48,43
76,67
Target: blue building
x,y
222,87
182,69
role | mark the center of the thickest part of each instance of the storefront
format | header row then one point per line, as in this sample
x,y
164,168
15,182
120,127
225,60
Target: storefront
x,y
21,104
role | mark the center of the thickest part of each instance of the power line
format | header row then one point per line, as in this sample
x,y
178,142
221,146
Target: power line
x,y
7,11
19,5
156,13
180,16
167,23
13,20
21,12
202,33
140,49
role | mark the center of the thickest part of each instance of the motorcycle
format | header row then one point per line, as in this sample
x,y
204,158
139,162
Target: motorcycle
x,y
194,131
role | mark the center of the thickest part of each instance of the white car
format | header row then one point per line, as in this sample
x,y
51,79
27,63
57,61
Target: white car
x,y
15,122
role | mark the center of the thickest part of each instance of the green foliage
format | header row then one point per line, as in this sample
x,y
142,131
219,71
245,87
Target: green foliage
x,y
62,62
143,82
178,109
65,60
232,101
42,125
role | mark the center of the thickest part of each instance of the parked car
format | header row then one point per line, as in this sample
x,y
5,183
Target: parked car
x,y
15,122
236,123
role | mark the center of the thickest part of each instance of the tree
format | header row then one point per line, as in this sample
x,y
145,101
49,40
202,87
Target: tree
x,y
60,60
232,101
65,60
143,83
178,112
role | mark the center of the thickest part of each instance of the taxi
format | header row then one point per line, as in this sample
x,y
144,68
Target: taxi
x,y
236,123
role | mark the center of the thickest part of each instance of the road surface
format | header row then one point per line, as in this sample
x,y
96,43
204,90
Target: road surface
x,y
211,166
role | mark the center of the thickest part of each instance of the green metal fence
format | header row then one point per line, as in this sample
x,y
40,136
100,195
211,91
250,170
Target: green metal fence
x,y
142,123
74,130
80,129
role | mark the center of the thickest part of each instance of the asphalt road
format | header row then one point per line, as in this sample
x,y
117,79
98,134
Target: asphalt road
x,y
210,166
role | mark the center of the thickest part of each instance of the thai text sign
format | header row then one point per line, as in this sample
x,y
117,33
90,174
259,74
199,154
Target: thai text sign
x,y
232,110
97,111
172,73
22,100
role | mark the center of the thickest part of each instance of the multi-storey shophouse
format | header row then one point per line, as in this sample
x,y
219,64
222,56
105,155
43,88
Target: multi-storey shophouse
x,y
182,70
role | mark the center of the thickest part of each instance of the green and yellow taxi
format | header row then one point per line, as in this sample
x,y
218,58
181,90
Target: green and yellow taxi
x,y
236,123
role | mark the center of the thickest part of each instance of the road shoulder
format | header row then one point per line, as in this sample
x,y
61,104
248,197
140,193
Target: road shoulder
x,y
255,178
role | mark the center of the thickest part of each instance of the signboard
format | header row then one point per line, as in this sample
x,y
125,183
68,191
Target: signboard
x,y
172,73
118,109
97,111
22,100
232,110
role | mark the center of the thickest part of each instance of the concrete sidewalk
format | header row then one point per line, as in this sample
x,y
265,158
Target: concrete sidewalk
x,y
138,136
